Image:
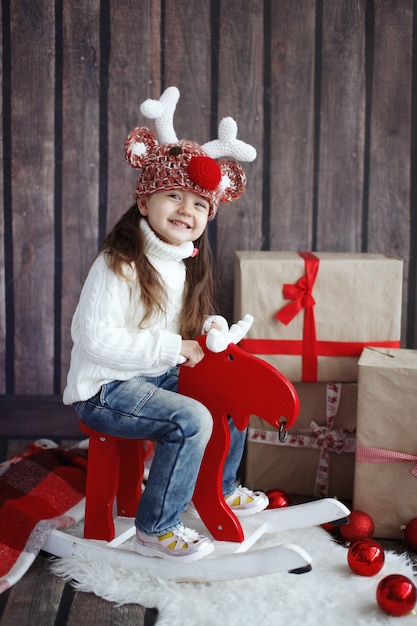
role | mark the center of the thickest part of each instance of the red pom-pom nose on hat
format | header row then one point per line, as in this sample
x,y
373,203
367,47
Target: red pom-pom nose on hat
x,y
204,172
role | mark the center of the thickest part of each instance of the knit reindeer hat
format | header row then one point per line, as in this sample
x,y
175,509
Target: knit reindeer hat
x,y
168,163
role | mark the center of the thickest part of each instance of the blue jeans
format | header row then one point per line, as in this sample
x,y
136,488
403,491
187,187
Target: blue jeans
x,y
151,408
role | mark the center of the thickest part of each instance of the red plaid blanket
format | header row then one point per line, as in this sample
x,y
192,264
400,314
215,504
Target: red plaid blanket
x,y
37,494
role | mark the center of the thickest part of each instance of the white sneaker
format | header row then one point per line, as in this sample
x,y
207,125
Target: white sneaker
x,y
181,544
242,501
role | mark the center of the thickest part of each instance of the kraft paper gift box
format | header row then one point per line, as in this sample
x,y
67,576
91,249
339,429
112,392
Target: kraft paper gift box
x,y
314,313
317,459
385,483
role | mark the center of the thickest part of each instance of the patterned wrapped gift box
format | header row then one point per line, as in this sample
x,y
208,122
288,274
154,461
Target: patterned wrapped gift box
x,y
314,313
317,458
386,457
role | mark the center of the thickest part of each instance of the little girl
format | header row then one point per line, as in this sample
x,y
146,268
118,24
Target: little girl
x,y
147,296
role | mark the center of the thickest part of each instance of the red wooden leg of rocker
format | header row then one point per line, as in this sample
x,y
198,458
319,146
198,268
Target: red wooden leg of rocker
x,y
102,483
208,499
115,468
130,476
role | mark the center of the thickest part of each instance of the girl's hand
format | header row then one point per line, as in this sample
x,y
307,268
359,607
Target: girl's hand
x,y
192,351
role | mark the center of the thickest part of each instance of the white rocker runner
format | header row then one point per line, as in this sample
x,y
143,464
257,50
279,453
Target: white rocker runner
x,y
230,560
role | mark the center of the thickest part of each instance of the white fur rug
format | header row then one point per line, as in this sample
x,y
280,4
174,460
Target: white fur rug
x,y
330,594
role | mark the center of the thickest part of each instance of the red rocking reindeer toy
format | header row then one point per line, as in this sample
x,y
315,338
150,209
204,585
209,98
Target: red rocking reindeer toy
x,y
243,385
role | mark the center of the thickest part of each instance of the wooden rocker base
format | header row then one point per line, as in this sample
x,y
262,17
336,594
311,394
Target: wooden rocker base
x,y
229,561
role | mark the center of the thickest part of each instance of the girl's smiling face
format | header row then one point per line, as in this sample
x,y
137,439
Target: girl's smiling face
x,y
175,215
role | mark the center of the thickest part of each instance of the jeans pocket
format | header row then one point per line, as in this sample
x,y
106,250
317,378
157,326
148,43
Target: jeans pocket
x,y
79,408
105,391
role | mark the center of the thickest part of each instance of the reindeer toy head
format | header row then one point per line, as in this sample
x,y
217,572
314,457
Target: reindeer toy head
x,y
168,163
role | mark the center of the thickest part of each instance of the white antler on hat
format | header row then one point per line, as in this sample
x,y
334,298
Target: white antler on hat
x,y
162,111
218,341
228,145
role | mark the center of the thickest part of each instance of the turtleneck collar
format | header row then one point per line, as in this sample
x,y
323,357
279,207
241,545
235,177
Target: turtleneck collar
x,y
156,247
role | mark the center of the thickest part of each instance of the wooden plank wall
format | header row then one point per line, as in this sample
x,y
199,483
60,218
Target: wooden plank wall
x,y
325,89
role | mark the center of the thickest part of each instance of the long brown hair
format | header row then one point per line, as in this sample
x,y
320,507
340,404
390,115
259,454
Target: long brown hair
x,y
125,244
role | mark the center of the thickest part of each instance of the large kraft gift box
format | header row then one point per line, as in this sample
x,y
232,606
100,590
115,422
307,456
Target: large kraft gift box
x,y
317,459
315,312
385,483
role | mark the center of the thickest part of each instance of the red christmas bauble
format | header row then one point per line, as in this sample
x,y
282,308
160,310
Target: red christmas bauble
x,y
277,499
410,535
396,595
360,526
366,557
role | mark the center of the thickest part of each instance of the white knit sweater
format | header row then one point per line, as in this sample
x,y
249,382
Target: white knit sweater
x,y
108,344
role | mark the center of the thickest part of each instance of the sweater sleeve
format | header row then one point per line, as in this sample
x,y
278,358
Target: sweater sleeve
x,y
108,337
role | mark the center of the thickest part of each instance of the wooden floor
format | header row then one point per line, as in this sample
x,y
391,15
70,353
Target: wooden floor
x,y
42,599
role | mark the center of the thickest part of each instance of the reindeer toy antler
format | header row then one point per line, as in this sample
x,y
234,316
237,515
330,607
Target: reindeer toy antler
x,y
218,341
168,163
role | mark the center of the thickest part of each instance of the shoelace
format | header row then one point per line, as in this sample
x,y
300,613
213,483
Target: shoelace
x,y
186,534
239,492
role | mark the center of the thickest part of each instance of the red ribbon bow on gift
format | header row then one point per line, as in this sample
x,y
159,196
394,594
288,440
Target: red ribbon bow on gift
x,y
301,296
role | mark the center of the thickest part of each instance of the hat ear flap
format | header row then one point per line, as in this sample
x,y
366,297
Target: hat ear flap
x,y
139,144
233,182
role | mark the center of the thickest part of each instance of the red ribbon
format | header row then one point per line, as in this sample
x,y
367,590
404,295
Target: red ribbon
x,y
301,293
294,347
301,296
